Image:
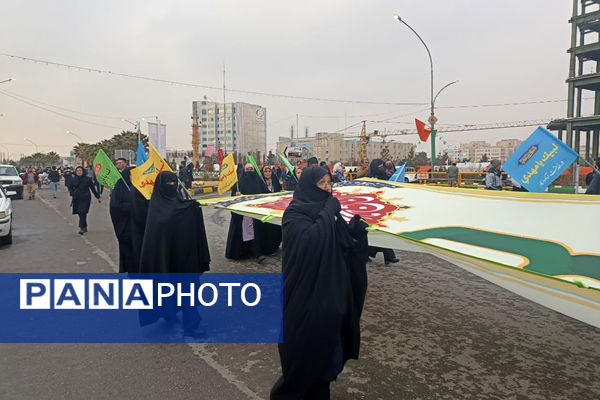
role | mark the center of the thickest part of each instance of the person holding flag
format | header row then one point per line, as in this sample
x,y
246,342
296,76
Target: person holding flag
x,y
120,215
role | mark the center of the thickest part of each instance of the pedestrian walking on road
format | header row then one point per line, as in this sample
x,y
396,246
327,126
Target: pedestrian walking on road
x,y
80,187
54,177
174,242
594,184
324,287
68,176
120,215
31,179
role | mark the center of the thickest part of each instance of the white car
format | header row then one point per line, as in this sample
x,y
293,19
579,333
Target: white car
x,y
11,181
5,217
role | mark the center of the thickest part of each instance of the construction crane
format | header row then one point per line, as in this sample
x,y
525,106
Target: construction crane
x,y
364,140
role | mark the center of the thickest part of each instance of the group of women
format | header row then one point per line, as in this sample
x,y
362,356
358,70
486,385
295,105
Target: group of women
x,y
323,265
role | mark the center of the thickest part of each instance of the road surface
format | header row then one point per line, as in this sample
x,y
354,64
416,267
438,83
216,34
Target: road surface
x,y
429,331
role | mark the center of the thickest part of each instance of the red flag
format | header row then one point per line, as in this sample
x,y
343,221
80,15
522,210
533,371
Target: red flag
x,y
423,132
220,156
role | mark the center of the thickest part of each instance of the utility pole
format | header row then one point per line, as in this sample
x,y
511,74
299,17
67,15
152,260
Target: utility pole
x,y
297,129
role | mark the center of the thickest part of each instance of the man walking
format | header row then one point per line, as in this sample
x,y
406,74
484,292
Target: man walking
x,y
30,179
54,178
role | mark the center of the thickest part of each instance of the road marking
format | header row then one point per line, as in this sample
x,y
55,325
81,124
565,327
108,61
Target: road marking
x,y
199,349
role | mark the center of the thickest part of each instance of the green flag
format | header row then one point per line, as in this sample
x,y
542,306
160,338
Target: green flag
x,y
286,163
106,172
253,162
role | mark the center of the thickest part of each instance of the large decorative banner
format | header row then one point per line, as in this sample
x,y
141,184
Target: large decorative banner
x,y
143,177
542,246
539,160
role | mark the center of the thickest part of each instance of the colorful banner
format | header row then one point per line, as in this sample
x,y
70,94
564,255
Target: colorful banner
x,y
143,177
539,160
141,156
228,175
552,259
208,152
106,172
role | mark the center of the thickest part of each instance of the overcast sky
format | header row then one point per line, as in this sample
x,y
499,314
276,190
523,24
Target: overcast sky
x,y
500,51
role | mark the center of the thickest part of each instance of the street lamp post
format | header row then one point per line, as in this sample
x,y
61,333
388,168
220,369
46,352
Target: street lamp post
x,y
76,135
136,126
33,143
432,118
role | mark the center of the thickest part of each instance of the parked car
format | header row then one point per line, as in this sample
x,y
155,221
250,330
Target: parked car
x,y
11,181
5,216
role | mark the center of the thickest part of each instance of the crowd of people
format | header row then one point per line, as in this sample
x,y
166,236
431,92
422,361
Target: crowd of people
x,y
324,257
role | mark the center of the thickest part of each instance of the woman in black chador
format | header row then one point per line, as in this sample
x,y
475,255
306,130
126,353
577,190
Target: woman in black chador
x,y
174,242
377,170
270,233
246,235
324,286
79,189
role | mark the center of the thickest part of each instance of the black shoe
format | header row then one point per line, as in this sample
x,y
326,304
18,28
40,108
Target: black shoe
x,y
260,259
392,261
81,232
85,230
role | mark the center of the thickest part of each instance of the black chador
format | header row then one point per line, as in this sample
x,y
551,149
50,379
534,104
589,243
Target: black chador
x,y
120,214
175,238
270,234
138,215
324,286
245,236
174,242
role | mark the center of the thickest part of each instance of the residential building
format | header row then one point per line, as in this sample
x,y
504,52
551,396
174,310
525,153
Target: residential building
x,y
333,147
502,150
236,127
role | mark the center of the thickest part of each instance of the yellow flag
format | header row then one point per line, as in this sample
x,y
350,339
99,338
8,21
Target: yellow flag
x,y
228,176
143,176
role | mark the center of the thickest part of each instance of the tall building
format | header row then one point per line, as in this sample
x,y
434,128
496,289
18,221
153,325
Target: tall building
x,y
333,147
236,128
584,52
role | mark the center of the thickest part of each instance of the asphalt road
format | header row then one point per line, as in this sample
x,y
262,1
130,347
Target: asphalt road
x,y
430,331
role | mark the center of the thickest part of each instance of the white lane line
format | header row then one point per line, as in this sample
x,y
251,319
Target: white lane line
x,y
199,349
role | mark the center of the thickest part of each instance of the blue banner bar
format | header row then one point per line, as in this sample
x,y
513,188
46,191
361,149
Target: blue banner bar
x,y
140,308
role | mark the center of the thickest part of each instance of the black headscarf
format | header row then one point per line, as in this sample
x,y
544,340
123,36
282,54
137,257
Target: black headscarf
x,y
377,169
251,183
175,238
324,285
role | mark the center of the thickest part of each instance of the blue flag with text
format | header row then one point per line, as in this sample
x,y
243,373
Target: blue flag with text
x,y
539,160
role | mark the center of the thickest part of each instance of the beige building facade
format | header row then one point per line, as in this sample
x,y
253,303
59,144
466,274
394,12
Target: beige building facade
x,y
333,147
475,150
